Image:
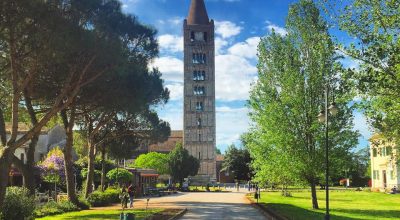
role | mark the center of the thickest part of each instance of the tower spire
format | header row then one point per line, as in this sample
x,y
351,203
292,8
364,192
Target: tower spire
x,y
198,13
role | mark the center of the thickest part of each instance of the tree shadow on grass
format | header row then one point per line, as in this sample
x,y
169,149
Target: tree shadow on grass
x,y
394,214
297,213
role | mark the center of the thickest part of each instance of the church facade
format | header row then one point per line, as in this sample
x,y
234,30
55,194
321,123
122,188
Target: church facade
x,y
199,88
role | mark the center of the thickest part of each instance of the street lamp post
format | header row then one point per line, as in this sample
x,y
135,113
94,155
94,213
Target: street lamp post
x,y
323,117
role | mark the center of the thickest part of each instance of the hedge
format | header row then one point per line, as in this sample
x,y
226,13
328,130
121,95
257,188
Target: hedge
x,y
108,197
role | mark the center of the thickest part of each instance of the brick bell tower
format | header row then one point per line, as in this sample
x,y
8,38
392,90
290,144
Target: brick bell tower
x,y
199,88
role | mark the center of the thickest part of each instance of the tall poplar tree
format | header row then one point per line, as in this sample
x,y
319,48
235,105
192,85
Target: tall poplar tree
x,y
288,96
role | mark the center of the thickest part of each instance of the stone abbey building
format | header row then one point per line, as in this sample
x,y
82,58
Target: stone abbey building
x,y
199,88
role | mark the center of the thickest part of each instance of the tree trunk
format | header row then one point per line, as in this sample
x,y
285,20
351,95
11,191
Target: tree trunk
x,y
103,168
89,178
314,195
5,162
29,176
69,164
69,168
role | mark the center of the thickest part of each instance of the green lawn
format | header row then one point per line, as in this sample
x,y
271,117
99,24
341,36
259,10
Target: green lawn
x,y
343,205
100,214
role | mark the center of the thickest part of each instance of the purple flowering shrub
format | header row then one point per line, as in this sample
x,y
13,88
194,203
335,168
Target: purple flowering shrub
x,y
52,167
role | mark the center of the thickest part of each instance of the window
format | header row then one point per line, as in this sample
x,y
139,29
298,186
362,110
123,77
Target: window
x,y
376,174
199,36
199,106
192,36
199,90
199,156
374,152
199,75
199,58
199,122
392,177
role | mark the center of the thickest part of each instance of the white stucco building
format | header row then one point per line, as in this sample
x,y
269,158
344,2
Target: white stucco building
x,y
48,139
385,172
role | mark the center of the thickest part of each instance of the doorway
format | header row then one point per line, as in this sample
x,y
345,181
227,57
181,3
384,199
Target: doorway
x,y
384,179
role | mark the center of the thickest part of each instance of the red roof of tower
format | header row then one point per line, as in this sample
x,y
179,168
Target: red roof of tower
x,y
198,13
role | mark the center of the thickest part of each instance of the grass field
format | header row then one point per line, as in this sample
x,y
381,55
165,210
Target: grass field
x,y
100,214
343,205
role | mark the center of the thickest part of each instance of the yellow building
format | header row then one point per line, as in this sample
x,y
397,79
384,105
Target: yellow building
x,y
385,172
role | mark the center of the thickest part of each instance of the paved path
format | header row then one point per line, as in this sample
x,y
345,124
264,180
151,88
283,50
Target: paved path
x,y
213,206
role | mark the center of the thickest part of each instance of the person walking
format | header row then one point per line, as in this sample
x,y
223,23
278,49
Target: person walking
x,y
131,192
124,197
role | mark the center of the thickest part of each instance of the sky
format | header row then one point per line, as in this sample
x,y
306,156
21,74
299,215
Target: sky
x,y
239,26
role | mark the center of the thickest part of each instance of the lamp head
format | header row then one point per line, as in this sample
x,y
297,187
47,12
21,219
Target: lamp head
x,y
333,109
321,117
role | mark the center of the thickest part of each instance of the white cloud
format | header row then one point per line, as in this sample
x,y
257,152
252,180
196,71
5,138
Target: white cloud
x,y
125,4
247,49
227,29
170,67
172,112
176,91
170,43
175,21
231,124
234,74
279,30
220,44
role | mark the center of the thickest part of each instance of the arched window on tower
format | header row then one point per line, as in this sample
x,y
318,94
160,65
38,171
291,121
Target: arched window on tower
x,y
199,58
192,36
199,106
199,75
199,122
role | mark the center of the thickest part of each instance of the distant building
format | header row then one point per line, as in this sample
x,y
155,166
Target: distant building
x,y
385,171
168,145
199,88
223,176
48,139
162,147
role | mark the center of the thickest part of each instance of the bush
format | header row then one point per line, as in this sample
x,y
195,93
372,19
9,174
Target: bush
x,y
105,198
18,204
119,175
54,208
83,203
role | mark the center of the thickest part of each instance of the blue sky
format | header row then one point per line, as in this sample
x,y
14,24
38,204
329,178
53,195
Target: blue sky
x,y
239,26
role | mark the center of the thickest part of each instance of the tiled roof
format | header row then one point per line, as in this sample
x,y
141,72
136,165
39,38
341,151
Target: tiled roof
x,y
219,157
169,145
22,128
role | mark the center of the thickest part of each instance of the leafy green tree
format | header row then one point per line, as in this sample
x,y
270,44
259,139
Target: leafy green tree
x,y
153,160
217,151
375,26
286,99
51,50
273,167
237,160
119,175
181,164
